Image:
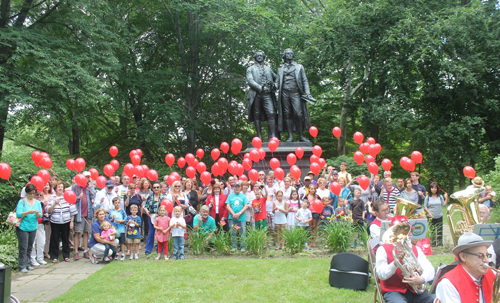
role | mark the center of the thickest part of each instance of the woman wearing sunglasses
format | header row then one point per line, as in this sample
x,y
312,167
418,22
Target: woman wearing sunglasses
x,y
151,209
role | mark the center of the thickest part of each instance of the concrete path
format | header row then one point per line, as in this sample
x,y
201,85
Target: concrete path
x,y
50,281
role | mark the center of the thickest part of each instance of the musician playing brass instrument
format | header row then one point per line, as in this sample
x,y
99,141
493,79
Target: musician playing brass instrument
x,y
396,285
470,280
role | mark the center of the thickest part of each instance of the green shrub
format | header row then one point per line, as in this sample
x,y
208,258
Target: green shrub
x,y
256,240
338,236
198,242
8,246
432,232
222,241
295,239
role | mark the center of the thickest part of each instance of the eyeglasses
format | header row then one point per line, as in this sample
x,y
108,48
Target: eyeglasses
x,y
177,186
156,187
480,256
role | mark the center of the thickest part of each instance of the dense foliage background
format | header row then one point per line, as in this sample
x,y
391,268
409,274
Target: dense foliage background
x,y
77,77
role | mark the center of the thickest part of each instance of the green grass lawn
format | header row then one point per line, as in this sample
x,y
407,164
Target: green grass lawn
x,y
302,279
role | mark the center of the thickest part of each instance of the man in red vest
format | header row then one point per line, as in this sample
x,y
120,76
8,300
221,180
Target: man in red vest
x,y
395,286
469,281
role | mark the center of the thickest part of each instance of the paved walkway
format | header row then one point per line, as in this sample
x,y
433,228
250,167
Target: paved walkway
x,y
50,281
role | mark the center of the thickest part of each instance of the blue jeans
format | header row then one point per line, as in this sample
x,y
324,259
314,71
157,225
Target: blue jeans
x,y
151,237
233,231
178,247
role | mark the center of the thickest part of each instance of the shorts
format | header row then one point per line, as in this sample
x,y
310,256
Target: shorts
x,y
133,241
315,216
82,226
262,224
121,238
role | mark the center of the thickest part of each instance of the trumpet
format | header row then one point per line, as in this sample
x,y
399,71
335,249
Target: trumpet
x,y
495,298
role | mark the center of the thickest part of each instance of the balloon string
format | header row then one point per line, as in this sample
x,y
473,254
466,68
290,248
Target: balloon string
x,y
430,180
59,176
13,187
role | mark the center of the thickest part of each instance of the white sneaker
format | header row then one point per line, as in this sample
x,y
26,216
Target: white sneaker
x,y
122,258
34,263
41,262
136,256
131,256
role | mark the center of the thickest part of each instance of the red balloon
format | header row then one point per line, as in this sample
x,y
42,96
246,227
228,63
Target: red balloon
x,y
364,182
370,141
336,132
373,168
70,164
247,164
181,162
236,146
369,159
224,147
379,148
170,159
129,170
273,145
469,172
243,178
363,147
279,173
44,174
139,171
222,164
372,150
34,157
386,164
358,157
295,171
200,153
81,180
79,164
313,131
358,137
314,159
108,170
274,163
70,196
233,167
205,178
136,160
241,170
317,150
299,152
403,162
190,172
94,173
139,152
176,176
317,205
322,162
262,154
133,153
170,180
215,154
190,159
5,171
145,168
315,168
38,182
115,164
253,175
113,151
168,204
335,188
291,159
416,156
152,175
215,169
201,167
410,165
46,162
256,142
101,181
246,156
42,155
255,155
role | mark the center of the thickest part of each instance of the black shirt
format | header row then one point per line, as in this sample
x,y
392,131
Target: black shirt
x,y
357,207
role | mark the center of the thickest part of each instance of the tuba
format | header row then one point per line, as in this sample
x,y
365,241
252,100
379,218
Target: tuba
x,y
397,235
468,210
406,208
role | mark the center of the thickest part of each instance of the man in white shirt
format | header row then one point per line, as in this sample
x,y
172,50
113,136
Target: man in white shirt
x,y
469,281
395,286
122,190
229,188
105,196
271,198
477,183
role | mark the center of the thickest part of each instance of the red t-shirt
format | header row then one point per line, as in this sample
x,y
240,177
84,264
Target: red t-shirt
x,y
84,204
259,207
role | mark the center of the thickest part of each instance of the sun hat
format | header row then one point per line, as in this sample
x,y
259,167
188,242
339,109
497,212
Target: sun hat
x,y
477,181
469,240
86,174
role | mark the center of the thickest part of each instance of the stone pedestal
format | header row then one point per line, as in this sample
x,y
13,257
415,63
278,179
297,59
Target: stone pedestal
x,y
281,153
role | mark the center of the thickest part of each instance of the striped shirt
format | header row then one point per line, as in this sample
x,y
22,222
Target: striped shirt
x,y
61,213
389,196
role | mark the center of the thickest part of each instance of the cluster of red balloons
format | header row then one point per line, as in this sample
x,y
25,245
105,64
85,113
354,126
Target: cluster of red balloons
x,y
409,164
174,176
41,159
78,164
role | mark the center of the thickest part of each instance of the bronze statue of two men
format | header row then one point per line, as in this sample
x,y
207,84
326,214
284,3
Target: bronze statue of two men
x,y
287,113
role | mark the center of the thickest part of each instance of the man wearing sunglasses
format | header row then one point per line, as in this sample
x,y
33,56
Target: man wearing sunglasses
x,y
470,280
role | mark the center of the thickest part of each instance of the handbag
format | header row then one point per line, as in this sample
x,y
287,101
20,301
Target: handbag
x,y
12,218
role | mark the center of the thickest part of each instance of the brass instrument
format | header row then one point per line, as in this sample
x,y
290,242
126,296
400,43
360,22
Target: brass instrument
x,y
468,209
495,298
397,235
406,208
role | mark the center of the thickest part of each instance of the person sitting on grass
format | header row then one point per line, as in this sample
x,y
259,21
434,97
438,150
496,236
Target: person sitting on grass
x,y
259,208
205,224
280,210
133,233
178,226
97,245
162,226
237,204
327,213
108,234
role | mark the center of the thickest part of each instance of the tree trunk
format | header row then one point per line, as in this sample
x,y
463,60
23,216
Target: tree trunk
x,y
4,111
191,140
74,142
